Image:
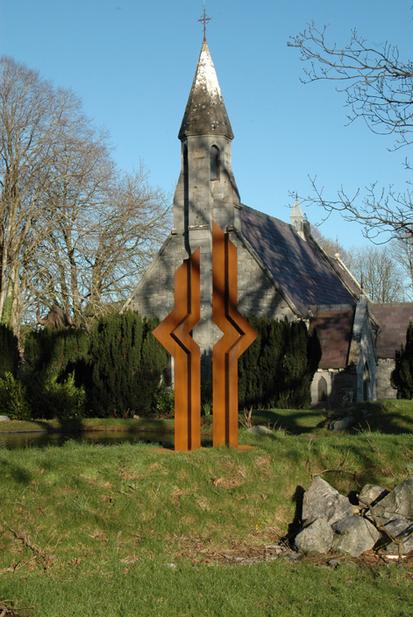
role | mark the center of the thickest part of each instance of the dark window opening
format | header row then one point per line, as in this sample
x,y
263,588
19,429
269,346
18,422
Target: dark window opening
x,y
215,163
322,390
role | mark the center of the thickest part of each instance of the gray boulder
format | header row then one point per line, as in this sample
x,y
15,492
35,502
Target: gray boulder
x,y
316,538
261,430
354,535
321,500
398,503
4,419
400,532
342,424
371,493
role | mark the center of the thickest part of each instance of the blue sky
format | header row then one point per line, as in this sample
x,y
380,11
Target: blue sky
x,y
132,63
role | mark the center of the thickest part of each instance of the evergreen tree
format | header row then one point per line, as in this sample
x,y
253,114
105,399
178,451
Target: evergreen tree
x,y
277,370
402,376
9,351
53,372
153,364
126,365
53,352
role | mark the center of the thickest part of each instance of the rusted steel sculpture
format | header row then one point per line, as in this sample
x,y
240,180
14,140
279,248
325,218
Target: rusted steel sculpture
x,y
174,333
238,336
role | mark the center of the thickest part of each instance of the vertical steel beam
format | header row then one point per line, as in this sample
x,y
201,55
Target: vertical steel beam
x,y
175,334
237,337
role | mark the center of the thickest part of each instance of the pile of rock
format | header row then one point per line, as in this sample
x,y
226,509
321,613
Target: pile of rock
x,y
380,519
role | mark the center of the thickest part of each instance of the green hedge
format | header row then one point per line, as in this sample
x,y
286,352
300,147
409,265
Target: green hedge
x,y
52,372
402,376
125,366
9,351
277,370
113,370
116,370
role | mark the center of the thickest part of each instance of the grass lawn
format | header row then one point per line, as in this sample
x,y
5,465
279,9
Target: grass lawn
x,y
130,530
131,425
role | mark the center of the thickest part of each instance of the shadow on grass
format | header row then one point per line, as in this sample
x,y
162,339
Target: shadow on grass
x,y
294,421
389,417
17,473
384,417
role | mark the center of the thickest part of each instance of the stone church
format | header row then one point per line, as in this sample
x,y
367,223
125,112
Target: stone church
x,y
282,271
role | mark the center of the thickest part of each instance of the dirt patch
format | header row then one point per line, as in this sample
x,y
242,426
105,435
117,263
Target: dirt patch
x,y
202,551
223,482
8,611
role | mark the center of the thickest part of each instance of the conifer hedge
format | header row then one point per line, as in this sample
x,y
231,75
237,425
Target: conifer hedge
x,y
277,370
113,370
9,351
116,369
51,372
402,376
125,366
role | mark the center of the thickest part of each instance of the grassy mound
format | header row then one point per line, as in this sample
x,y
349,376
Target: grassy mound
x,y
136,530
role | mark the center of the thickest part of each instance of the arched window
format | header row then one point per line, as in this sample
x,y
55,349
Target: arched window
x,y
215,163
322,390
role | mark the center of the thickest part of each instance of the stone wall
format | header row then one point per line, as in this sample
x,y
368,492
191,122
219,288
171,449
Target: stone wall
x,y
340,387
321,386
385,390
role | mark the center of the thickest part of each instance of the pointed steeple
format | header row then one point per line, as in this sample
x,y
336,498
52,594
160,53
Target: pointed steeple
x,y
299,220
296,214
205,112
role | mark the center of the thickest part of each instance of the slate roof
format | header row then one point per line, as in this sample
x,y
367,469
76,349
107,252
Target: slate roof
x,y
205,112
334,329
298,267
349,281
393,320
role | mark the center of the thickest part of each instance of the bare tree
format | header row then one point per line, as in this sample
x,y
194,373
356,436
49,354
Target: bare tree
x,y
74,231
124,239
30,116
379,270
403,253
331,247
378,273
378,88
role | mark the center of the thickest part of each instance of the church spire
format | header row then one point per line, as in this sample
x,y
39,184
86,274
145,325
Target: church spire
x,y
205,112
298,219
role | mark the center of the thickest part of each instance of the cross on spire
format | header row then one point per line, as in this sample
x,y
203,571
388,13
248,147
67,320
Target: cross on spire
x,y
204,20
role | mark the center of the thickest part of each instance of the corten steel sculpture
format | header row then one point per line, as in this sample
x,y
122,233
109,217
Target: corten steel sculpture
x,y
174,333
238,336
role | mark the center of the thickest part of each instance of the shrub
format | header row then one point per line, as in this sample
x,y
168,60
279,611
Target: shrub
x,y
125,366
402,376
9,351
13,401
55,353
163,401
53,372
64,400
277,370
